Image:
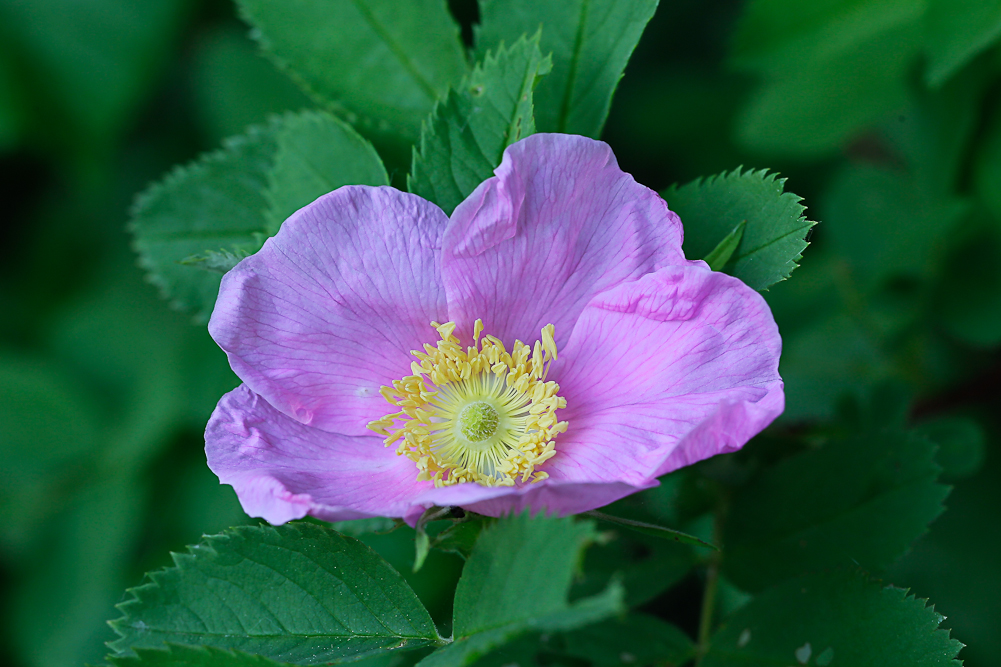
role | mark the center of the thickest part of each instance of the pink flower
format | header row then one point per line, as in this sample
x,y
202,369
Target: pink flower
x,y
653,362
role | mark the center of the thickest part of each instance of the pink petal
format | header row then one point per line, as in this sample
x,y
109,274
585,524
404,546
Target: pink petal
x,y
558,224
329,310
675,367
283,470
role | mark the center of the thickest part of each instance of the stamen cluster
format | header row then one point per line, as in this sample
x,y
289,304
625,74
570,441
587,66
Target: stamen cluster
x,y
479,414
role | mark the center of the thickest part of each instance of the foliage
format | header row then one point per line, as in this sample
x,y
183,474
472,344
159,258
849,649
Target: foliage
x,y
883,114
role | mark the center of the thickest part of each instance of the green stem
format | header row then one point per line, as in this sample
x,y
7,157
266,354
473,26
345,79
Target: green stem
x,y
709,593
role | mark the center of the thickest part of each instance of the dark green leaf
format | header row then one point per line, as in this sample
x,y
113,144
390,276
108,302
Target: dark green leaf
x,y
968,294
722,253
885,223
317,154
637,640
830,69
834,618
97,59
955,32
216,203
645,566
360,527
863,501
775,229
590,42
464,139
459,538
225,204
299,593
177,655
384,61
650,529
961,444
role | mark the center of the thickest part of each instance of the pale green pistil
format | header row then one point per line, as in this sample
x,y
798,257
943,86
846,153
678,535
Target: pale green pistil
x,y
478,421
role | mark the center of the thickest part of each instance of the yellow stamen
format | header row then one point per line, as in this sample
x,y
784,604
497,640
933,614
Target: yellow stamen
x,y
476,414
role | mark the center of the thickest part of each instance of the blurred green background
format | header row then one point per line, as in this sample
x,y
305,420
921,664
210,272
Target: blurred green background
x,y
884,115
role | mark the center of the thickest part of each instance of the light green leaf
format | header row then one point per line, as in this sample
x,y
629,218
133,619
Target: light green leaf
x,y
300,593
469,648
317,154
955,32
222,206
178,655
383,62
590,41
830,69
775,230
516,581
858,502
834,618
722,253
464,139
636,640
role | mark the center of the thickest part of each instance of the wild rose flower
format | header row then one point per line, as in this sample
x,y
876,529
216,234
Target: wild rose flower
x,y
380,347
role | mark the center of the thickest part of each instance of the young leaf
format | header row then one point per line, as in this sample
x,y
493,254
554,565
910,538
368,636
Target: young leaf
x,y
637,640
299,593
464,138
859,502
722,253
215,203
317,153
516,581
955,32
215,211
590,41
774,232
834,618
384,61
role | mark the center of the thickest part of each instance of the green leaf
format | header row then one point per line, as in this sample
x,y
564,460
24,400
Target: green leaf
x,y
775,228
464,139
859,502
234,86
830,69
885,223
834,618
637,640
955,32
516,581
222,206
722,253
590,41
178,655
467,649
968,292
300,593
961,444
383,62
651,529
317,154
98,59
645,566
215,203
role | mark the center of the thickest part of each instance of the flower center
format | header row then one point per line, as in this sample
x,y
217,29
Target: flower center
x,y
478,421
479,414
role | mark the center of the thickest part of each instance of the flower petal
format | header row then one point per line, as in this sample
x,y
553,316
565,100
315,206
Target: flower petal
x,y
558,224
329,309
675,367
283,470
